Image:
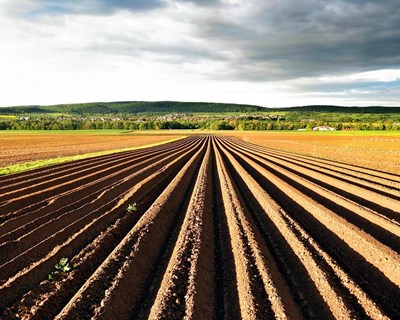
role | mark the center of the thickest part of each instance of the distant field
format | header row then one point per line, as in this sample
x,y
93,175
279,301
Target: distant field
x,y
377,150
4,116
26,146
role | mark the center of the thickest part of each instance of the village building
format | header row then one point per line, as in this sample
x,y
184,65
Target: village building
x,y
323,128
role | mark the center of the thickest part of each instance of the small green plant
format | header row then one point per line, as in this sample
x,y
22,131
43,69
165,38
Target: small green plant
x,y
132,207
62,266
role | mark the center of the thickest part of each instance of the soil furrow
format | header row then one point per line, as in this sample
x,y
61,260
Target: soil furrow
x,y
67,182
351,179
72,199
376,270
385,185
382,229
14,181
261,290
94,183
216,228
392,177
50,297
385,197
288,240
356,172
69,218
285,249
227,300
186,290
38,270
118,282
28,179
375,202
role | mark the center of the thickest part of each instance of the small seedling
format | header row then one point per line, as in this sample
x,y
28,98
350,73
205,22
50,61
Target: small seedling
x,y
132,207
61,266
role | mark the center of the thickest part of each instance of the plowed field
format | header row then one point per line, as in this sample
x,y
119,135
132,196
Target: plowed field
x,y
23,146
222,229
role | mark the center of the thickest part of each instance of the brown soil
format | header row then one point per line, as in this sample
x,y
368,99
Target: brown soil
x,y
23,147
376,151
223,229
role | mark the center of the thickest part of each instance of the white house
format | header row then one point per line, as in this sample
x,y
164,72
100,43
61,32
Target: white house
x,y
323,128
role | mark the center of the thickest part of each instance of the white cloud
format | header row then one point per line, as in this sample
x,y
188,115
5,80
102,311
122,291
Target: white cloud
x,y
272,53
385,75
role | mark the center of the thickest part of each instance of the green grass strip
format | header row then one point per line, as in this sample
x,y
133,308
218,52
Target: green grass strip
x,y
21,167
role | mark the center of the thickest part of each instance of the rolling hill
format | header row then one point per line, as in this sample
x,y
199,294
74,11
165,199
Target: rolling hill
x,y
135,107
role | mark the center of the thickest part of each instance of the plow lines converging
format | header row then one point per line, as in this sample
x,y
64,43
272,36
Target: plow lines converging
x,y
217,228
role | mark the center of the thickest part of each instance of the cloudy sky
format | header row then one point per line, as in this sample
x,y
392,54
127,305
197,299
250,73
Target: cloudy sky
x,y
271,53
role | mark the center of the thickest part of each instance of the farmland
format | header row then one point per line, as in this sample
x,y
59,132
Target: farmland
x,y
377,150
23,146
371,149
206,226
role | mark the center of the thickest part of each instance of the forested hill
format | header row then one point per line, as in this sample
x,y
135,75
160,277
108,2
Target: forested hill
x,y
339,109
133,107
156,107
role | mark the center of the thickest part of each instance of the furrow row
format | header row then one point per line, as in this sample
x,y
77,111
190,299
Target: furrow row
x,y
220,228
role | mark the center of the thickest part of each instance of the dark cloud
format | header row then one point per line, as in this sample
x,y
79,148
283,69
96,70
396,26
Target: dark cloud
x,y
202,2
290,39
263,40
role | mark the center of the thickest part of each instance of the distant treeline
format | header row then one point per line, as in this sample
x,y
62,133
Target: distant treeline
x,y
157,107
142,115
340,109
232,124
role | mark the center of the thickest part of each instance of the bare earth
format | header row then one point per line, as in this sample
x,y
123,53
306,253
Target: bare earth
x,y
224,229
377,151
19,147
